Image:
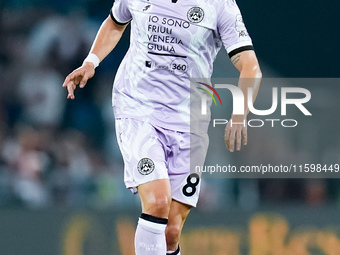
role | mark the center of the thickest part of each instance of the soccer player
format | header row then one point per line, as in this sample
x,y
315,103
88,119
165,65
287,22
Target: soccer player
x,y
171,42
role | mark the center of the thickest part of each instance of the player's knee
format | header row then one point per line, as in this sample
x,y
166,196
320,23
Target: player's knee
x,y
159,206
161,203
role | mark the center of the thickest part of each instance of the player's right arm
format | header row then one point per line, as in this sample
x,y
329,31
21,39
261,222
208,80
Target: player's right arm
x,y
107,38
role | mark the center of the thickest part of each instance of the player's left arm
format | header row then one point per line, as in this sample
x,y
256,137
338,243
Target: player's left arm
x,y
250,77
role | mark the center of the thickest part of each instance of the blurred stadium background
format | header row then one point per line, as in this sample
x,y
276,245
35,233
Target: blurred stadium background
x,y
61,181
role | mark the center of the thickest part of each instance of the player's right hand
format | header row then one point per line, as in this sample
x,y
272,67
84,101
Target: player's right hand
x,y
80,76
236,133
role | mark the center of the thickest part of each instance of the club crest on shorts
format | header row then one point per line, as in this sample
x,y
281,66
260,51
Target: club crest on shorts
x,y
145,166
195,14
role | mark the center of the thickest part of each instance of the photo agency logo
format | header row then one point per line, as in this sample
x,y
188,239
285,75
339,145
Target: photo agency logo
x,y
296,96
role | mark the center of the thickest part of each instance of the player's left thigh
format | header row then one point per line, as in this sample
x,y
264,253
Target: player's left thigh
x,y
177,216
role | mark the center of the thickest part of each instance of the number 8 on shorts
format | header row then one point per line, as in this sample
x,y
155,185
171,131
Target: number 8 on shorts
x,y
189,189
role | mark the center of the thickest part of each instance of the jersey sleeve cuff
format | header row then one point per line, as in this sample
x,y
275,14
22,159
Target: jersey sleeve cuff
x,y
239,50
117,21
239,47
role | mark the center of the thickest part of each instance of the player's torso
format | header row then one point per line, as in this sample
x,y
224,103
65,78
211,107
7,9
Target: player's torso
x,y
170,43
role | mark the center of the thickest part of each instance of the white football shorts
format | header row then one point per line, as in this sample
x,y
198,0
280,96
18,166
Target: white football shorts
x,y
152,153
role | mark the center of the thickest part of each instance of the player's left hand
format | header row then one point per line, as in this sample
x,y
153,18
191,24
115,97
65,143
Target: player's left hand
x,y
236,132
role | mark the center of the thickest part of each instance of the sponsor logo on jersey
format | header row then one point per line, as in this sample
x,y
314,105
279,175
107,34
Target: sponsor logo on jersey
x,y
195,14
240,27
145,166
146,7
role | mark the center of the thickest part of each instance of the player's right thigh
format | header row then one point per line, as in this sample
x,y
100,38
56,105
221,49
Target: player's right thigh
x,y
143,152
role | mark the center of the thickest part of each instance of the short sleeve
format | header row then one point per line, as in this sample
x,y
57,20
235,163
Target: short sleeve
x,y
232,29
120,12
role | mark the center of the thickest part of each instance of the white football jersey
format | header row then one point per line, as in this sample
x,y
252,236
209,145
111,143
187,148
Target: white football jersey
x,y
172,41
